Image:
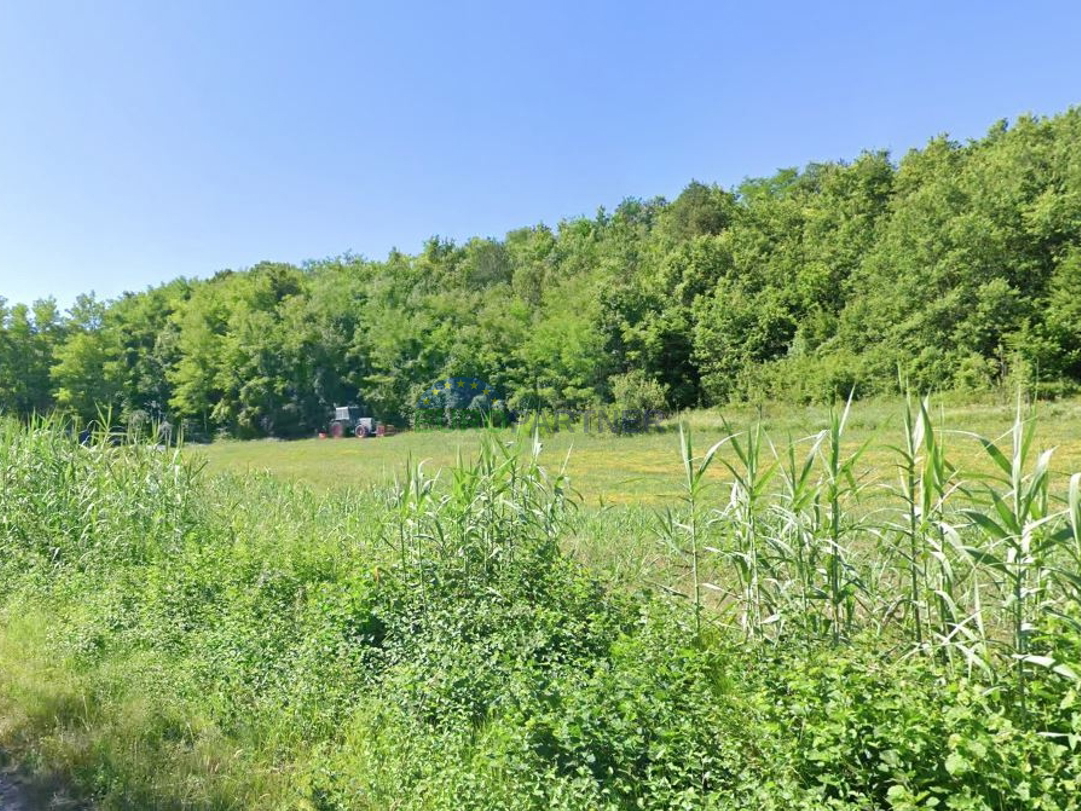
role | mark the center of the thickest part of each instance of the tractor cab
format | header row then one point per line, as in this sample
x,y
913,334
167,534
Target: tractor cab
x,y
347,420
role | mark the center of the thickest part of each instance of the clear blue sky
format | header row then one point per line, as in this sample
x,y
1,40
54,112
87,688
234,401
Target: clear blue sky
x,y
144,140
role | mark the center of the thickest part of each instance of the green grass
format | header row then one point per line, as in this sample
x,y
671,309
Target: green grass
x,y
645,469
175,635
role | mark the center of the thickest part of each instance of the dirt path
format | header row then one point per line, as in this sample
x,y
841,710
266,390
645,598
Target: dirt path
x,y
12,797
18,795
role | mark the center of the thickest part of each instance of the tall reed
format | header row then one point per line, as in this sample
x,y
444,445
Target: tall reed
x,y
973,563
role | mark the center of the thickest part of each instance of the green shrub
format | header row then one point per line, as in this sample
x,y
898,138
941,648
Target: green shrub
x,y
171,640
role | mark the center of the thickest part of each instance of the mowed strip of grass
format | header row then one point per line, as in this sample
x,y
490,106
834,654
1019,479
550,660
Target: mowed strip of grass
x,y
646,469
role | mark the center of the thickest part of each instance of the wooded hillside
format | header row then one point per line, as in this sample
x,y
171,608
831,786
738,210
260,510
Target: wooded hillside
x,y
957,267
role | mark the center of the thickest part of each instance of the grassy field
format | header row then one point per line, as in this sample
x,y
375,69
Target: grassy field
x,y
262,626
645,469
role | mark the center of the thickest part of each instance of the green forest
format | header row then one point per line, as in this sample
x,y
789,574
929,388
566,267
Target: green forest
x,y
956,266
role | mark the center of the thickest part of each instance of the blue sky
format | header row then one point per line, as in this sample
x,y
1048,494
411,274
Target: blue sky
x,y
142,141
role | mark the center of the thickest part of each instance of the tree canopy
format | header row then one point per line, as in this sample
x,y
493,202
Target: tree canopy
x,y
958,266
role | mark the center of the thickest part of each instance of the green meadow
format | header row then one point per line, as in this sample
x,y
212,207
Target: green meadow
x,y
810,609
607,469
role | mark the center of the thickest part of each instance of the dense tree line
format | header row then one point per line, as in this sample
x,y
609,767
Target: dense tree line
x,y
957,267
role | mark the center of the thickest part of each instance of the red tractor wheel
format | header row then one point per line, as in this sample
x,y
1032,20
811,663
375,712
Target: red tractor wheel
x,y
361,431
337,430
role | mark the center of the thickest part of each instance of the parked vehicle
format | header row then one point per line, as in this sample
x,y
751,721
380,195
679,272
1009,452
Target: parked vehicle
x,y
348,420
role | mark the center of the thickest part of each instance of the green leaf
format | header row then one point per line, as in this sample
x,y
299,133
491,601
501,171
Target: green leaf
x,y
986,558
998,456
956,763
987,524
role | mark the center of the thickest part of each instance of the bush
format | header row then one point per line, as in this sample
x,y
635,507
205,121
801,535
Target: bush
x,y
170,640
635,391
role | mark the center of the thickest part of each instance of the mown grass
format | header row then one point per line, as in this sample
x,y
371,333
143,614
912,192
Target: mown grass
x,y
642,469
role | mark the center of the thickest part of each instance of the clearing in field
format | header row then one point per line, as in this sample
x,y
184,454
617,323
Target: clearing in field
x,y
642,469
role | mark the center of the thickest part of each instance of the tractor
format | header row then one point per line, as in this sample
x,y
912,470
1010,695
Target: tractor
x,y
347,420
